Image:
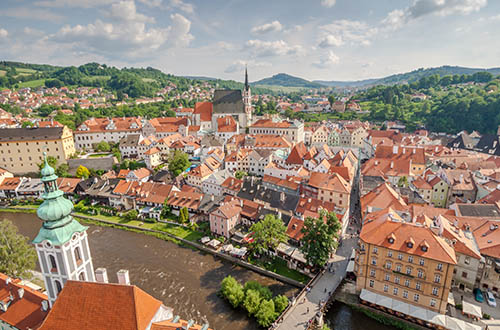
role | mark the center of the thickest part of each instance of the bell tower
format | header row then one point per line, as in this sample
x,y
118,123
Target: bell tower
x,y
247,99
61,244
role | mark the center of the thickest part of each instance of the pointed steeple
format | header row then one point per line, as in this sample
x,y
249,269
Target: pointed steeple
x,y
55,212
246,79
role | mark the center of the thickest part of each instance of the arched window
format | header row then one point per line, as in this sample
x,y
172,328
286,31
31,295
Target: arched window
x,y
78,256
81,277
53,264
58,286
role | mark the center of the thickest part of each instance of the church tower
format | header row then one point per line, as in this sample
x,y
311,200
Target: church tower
x,y
247,99
61,244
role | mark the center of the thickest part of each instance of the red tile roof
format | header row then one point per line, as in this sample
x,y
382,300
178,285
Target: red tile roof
x,y
226,124
205,110
101,306
23,313
294,228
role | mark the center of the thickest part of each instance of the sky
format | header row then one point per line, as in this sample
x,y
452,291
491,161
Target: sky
x,y
312,39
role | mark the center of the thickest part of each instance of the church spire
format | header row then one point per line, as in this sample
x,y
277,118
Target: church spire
x,y
246,78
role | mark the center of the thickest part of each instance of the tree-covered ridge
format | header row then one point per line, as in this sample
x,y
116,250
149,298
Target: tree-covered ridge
x,y
283,79
439,103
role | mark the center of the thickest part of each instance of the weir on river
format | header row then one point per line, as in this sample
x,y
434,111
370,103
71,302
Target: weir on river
x,y
183,279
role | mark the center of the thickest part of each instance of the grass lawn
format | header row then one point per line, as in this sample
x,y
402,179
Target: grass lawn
x,y
32,83
179,231
26,71
99,155
148,80
278,266
29,206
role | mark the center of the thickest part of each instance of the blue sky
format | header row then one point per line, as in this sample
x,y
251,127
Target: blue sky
x,y
313,39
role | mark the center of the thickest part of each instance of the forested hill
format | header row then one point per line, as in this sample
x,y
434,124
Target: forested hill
x,y
136,82
285,80
449,103
409,77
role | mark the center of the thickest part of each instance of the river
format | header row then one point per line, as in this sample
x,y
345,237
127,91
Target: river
x,y
183,279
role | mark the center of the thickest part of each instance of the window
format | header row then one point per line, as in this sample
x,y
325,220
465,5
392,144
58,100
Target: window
x,y
422,262
389,254
362,248
467,260
372,272
398,268
388,265
407,283
410,259
437,278
374,261
400,256
433,302
420,273
81,277
58,286
53,264
387,277
375,250
405,294
78,256
396,279
439,266
395,291
386,288
418,286
435,291
372,283
464,274
416,297
408,270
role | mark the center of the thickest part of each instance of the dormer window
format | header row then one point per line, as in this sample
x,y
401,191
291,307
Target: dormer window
x,y
424,246
391,238
410,243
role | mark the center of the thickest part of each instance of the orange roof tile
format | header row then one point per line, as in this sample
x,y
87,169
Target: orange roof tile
x,y
205,110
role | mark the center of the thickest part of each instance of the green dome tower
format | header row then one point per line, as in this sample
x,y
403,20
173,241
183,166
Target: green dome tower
x,y
61,243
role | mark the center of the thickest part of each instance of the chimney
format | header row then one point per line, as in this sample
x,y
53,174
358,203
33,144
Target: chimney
x,y
309,200
279,215
404,151
45,305
395,149
414,150
392,164
20,293
212,198
101,275
123,277
241,202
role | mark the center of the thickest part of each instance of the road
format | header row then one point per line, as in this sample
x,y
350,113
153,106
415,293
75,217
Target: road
x,y
307,305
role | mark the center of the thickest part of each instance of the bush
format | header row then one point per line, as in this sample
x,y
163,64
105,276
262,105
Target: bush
x,y
252,301
266,314
264,292
232,291
150,220
280,303
131,215
486,316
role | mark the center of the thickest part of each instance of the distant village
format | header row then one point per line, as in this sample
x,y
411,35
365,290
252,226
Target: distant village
x,y
424,207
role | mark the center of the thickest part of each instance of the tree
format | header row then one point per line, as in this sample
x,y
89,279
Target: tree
x,y
131,215
263,291
232,291
280,303
51,160
266,314
103,146
178,162
183,215
166,210
268,234
82,172
331,99
17,256
403,181
319,238
252,301
62,170
240,174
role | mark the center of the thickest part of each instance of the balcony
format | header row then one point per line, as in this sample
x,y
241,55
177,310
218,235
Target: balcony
x,y
404,274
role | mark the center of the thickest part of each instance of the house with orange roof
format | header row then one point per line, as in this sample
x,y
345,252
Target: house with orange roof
x,y
353,135
226,127
202,115
318,135
21,307
139,175
164,126
197,175
225,218
231,186
382,197
462,187
153,158
9,187
111,130
404,261
188,199
487,237
328,188
294,130
423,188
80,306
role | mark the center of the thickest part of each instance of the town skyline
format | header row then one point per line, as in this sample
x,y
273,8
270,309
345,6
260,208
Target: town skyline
x,y
327,40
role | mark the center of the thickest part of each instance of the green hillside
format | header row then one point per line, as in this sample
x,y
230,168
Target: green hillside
x,y
285,80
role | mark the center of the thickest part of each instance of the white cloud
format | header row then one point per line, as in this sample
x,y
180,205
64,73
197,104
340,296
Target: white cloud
x,y
327,61
239,66
272,48
330,40
179,30
347,31
31,14
274,26
180,4
328,3
73,3
419,8
152,3
127,11
3,33
33,32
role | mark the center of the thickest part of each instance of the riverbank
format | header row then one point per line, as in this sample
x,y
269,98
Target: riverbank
x,y
183,236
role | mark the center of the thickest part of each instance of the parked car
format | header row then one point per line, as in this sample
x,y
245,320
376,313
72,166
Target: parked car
x,y
478,295
490,299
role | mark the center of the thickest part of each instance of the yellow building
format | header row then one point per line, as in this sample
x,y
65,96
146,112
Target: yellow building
x,y
404,261
21,149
